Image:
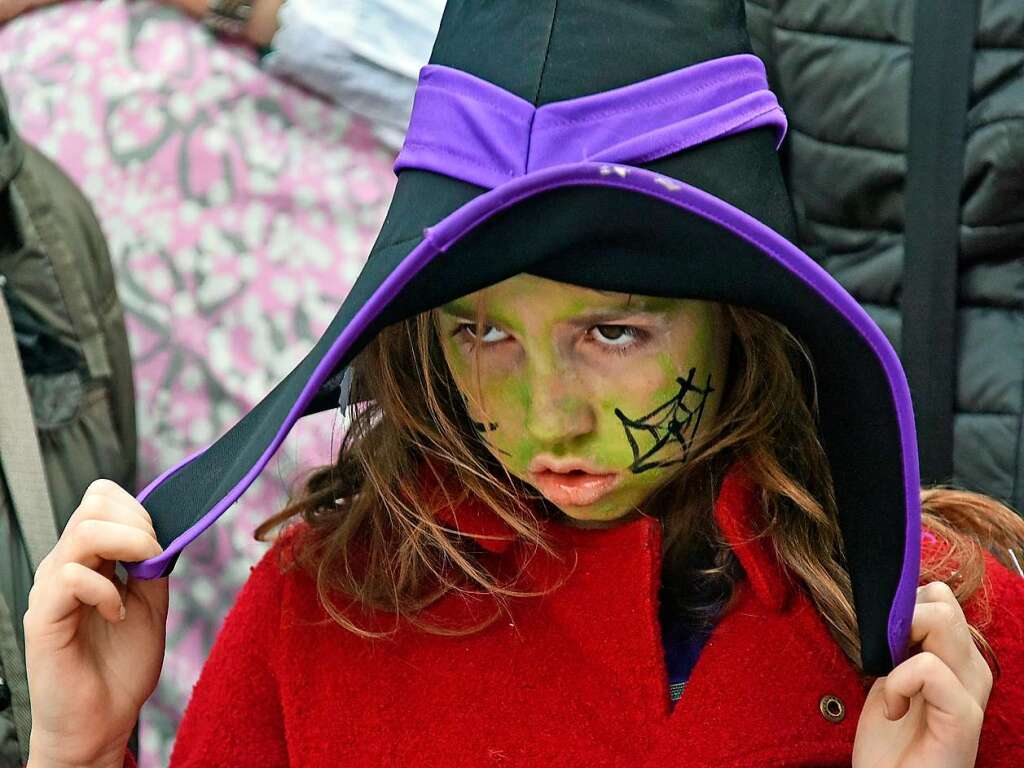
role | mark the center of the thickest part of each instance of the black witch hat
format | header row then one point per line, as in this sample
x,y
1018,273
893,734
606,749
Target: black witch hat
x,y
624,145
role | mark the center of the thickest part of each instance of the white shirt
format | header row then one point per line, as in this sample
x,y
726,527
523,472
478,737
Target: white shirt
x,y
364,55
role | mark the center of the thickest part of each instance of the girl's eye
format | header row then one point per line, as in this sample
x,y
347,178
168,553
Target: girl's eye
x,y
491,335
616,335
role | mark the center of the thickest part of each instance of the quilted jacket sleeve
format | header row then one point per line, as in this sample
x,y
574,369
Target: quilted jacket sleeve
x,y
234,716
760,28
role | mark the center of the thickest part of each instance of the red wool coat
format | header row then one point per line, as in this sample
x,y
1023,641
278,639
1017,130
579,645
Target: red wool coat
x,y
572,678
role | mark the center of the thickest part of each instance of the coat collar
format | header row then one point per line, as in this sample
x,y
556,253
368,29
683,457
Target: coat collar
x,y
737,512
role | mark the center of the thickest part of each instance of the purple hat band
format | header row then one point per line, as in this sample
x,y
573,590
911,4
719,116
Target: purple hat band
x,y
474,131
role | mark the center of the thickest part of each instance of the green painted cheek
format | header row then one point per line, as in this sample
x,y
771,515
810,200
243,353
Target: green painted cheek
x,y
631,494
458,363
611,445
524,451
669,373
520,393
613,440
502,394
508,399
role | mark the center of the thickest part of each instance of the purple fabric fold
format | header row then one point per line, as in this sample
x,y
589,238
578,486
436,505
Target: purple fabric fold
x,y
461,122
472,130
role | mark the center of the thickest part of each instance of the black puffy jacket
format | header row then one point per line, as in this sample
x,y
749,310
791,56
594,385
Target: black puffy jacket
x,y
842,71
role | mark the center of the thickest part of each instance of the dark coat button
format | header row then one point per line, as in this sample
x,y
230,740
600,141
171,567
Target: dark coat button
x,y
832,709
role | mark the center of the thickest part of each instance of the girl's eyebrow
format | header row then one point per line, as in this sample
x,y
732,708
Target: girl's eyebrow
x,y
634,306
463,311
598,316
466,314
651,304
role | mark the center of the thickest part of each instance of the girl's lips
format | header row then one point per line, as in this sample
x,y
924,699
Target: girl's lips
x,y
573,489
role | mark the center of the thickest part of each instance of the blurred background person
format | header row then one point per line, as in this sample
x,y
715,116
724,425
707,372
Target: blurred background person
x,y
67,404
364,55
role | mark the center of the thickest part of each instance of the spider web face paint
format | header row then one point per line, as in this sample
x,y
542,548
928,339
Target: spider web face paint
x,y
676,420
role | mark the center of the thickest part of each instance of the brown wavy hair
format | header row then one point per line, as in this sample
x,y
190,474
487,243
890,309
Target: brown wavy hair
x,y
374,542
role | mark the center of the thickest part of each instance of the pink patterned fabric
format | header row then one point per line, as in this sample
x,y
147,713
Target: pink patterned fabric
x,y
238,210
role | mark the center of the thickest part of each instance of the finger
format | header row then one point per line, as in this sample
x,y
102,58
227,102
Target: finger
x,y
936,592
114,512
72,586
926,675
93,541
101,493
94,507
100,506
113,491
941,628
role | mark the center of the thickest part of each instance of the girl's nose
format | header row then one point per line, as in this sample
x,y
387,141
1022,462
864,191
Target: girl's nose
x,y
559,408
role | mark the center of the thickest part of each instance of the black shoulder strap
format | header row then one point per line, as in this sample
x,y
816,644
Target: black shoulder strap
x,y
943,62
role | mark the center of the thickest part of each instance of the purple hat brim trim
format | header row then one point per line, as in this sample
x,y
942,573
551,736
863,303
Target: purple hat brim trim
x,y
457,225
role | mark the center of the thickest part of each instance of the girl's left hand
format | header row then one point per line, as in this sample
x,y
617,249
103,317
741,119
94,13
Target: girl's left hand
x,y
927,712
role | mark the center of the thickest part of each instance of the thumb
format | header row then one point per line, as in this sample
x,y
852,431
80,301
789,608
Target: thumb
x,y
154,593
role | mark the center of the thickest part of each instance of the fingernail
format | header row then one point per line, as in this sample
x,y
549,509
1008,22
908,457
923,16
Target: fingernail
x,y
122,612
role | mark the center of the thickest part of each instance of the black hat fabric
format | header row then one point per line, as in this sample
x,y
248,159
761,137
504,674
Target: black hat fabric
x,y
624,146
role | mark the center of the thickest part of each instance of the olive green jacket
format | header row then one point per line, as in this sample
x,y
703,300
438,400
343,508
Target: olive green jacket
x,y
57,286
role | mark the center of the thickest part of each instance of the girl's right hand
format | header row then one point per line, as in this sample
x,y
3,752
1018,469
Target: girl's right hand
x,y
93,646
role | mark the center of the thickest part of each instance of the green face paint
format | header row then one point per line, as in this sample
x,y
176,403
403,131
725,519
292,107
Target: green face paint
x,y
591,397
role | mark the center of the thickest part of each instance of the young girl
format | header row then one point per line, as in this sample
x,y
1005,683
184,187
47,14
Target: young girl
x,y
626,479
